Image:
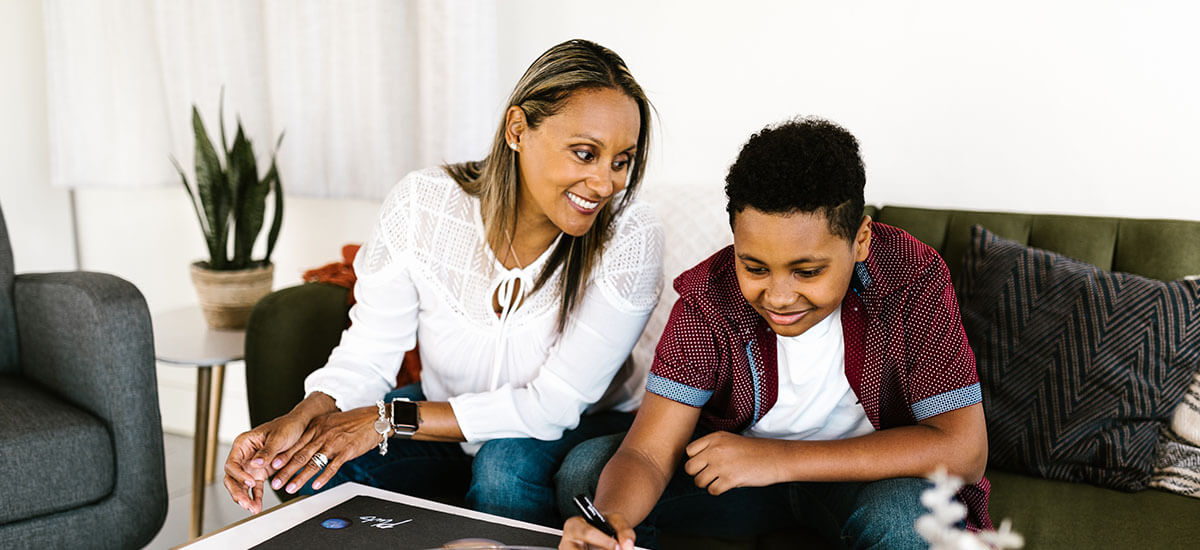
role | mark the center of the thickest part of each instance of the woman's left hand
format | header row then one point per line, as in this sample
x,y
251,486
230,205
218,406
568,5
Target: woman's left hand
x,y
340,437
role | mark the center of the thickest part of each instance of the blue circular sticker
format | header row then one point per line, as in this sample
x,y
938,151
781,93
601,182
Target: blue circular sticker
x,y
335,523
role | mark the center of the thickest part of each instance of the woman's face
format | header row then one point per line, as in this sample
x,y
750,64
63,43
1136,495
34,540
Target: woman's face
x,y
576,160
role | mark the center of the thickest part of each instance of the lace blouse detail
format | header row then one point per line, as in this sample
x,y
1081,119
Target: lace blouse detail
x,y
437,228
427,274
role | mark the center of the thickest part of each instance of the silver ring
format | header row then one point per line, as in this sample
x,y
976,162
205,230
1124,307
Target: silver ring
x,y
320,460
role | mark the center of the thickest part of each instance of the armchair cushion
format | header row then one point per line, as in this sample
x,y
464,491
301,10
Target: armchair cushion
x,y
65,450
290,333
8,322
86,344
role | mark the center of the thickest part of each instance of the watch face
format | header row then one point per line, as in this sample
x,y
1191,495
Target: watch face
x,y
404,416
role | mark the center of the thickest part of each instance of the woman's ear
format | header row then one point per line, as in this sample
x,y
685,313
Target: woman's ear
x,y
862,240
514,126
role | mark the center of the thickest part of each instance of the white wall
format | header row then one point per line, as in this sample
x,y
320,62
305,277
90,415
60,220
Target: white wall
x,y
1068,106
1072,107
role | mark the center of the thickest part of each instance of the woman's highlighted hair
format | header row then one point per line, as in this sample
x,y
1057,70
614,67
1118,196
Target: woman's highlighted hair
x,y
542,92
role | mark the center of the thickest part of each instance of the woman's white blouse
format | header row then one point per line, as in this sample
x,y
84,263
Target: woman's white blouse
x,y
428,275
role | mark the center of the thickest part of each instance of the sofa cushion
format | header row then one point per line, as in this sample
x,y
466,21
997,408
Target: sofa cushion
x,y
1080,367
1162,249
44,438
1058,514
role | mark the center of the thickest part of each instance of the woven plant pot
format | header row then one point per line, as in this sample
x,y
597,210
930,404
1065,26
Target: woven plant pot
x,y
226,297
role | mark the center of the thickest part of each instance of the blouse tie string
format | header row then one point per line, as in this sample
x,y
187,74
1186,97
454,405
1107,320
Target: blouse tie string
x,y
509,289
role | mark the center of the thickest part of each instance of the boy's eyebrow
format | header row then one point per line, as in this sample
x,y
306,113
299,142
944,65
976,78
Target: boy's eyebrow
x,y
804,260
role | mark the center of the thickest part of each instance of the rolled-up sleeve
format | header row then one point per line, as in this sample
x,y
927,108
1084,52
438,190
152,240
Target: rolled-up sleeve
x,y
941,365
383,321
686,358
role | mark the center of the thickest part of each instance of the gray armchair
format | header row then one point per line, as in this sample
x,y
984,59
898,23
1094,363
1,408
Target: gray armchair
x,y
81,452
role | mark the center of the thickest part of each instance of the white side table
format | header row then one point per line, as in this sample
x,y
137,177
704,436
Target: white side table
x,y
182,338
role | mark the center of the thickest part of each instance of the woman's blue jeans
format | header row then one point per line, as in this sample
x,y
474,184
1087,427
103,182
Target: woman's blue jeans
x,y
879,514
507,477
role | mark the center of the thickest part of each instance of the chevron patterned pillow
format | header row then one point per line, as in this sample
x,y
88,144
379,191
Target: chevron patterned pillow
x,y
1080,367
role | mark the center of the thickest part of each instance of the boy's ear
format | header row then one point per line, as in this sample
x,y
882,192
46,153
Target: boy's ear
x,y
862,240
514,125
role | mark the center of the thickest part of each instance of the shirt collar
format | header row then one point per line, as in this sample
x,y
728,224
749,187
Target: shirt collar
x,y
861,279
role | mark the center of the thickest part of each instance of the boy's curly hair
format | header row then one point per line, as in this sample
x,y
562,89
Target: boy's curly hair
x,y
806,164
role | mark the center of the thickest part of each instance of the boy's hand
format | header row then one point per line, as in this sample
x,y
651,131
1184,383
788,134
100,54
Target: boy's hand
x,y
578,535
721,461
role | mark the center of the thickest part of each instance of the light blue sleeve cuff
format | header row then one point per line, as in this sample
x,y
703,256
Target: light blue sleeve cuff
x,y
677,391
946,402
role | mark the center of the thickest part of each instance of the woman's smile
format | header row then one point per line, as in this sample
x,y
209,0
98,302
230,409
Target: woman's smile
x,y
583,205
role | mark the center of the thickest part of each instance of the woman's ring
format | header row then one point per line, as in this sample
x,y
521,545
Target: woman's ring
x,y
320,460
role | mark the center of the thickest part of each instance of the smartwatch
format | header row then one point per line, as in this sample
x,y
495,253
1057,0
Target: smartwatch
x,y
406,418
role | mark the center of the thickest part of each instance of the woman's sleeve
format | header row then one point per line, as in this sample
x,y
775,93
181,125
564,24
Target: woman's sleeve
x,y
597,340
363,367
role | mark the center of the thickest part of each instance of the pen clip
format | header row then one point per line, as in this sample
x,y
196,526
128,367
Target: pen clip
x,y
593,516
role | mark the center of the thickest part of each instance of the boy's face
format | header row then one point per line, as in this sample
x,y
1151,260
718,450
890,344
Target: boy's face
x,y
792,269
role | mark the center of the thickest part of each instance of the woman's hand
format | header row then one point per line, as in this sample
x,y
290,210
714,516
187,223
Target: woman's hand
x,y
340,436
257,454
578,535
260,452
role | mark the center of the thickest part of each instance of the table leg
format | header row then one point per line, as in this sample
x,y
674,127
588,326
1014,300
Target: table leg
x,y
214,420
200,449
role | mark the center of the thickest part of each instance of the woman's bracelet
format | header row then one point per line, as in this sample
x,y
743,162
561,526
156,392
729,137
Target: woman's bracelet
x,y
382,426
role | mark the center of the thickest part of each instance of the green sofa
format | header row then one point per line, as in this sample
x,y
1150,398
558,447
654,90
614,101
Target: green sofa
x,y
291,332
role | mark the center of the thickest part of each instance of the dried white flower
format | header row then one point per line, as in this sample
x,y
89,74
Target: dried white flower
x,y
940,526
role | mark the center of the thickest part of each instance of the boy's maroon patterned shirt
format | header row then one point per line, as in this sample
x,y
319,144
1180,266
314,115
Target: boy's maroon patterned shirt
x,y
907,356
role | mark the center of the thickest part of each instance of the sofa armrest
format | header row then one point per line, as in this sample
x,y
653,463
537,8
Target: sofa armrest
x,y
87,338
290,333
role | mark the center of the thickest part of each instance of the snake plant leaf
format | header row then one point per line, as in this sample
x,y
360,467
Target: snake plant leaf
x,y
195,202
212,187
272,178
250,196
230,200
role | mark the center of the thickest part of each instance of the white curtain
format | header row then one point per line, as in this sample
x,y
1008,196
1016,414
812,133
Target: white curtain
x,y
365,90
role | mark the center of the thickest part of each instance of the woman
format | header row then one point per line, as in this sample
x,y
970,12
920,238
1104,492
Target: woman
x,y
527,278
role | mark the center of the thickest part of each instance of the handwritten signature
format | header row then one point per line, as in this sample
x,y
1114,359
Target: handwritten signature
x,y
381,523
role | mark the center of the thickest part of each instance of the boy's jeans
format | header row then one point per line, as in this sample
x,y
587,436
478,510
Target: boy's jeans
x,y
507,477
880,514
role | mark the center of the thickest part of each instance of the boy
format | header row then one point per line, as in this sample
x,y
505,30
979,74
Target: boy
x,y
809,374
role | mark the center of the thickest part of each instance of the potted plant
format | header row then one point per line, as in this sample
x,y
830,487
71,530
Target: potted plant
x,y
230,202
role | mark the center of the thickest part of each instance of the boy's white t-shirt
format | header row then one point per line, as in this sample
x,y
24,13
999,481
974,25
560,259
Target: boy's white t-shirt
x,y
815,400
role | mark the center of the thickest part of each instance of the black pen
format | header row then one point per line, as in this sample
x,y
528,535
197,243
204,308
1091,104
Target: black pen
x,y
593,516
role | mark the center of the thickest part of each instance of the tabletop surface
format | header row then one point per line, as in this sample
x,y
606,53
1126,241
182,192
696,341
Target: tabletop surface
x,y
181,337
256,530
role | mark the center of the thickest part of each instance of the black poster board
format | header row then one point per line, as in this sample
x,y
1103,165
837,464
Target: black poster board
x,y
369,522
